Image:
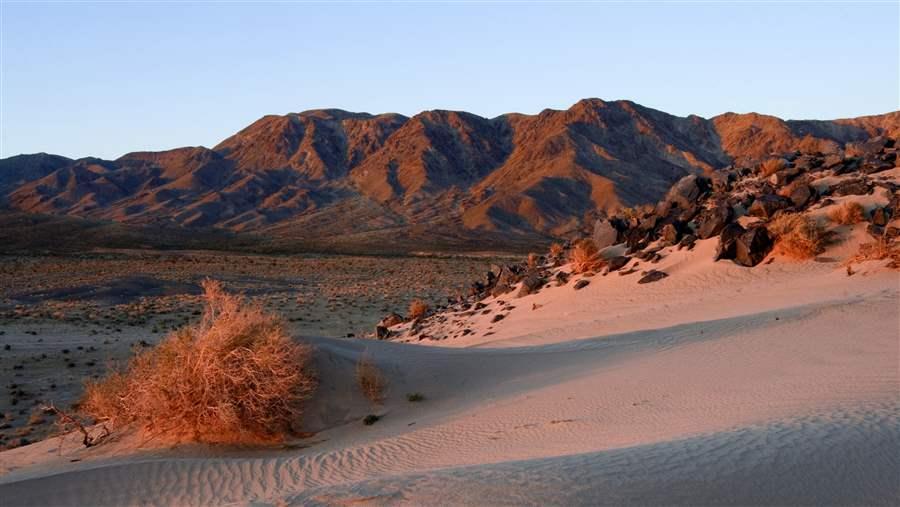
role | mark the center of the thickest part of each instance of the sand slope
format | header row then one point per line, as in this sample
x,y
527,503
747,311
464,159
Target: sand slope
x,y
721,385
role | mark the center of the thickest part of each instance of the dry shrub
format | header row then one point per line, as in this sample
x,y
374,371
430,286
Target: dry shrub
x,y
234,377
418,309
880,249
771,166
371,382
797,236
585,257
556,250
533,260
850,212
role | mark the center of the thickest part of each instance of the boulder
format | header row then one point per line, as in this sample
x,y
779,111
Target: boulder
x,y
766,205
712,221
784,176
832,161
604,234
753,246
382,333
687,241
801,195
880,217
392,319
531,284
618,262
721,180
580,284
652,276
727,247
684,194
851,187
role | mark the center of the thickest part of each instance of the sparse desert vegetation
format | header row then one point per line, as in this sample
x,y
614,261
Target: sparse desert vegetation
x,y
370,380
585,257
771,166
851,212
797,235
879,249
65,318
417,309
235,376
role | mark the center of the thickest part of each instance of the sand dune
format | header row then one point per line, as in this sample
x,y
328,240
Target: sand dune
x,y
782,389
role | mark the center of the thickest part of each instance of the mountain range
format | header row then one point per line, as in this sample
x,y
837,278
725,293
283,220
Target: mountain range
x,y
331,178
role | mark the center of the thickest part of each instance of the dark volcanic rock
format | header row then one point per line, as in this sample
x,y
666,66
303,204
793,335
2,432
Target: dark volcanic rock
x,y
753,246
382,333
618,262
801,195
851,187
531,284
766,205
580,284
684,194
727,247
880,217
392,319
652,276
712,221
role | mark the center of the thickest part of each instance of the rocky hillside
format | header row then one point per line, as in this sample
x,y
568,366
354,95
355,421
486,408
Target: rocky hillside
x,y
840,209
325,174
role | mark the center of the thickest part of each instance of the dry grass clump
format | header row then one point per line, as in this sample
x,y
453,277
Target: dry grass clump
x,y
771,166
880,249
585,257
417,309
850,212
234,377
797,236
557,250
371,382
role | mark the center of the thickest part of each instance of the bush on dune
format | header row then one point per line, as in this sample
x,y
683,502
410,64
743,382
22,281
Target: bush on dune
x,y
234,377
417,309
371,382
880,249
797,236
849,213
585,257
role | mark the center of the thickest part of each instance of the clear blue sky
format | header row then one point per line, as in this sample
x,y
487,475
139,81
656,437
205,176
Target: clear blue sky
x,y
107,78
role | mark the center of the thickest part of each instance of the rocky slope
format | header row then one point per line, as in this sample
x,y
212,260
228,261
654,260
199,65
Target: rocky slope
x,y
323,174
840,210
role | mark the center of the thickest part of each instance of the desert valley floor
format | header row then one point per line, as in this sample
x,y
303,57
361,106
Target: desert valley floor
x,y
717,385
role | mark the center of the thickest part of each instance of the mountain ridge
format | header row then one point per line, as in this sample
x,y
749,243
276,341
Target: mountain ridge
x,y
451,171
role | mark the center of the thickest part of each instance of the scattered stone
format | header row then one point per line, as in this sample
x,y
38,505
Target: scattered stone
x,y
605,234
880,217
653,276
392,319
753,246
580,284
618,262
727,247
531,284
851,187
801,195
766,205
712,221
498,317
